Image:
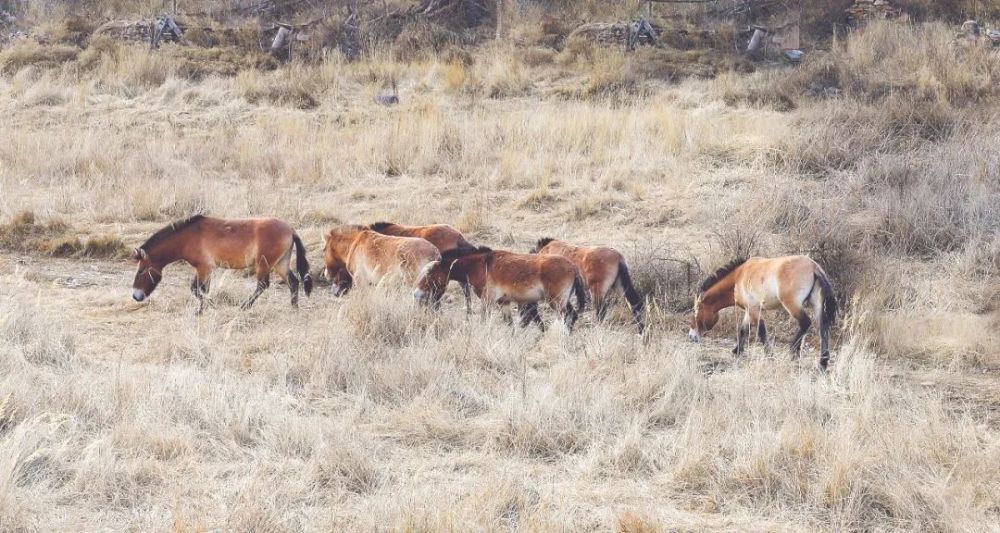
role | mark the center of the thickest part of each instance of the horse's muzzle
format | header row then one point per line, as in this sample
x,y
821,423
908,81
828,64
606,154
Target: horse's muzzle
x,y
693,336
138,295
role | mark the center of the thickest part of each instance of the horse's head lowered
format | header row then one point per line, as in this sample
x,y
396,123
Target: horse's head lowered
x,y
433,280
157,252
335,255
147,277
431,283
702,320
706,304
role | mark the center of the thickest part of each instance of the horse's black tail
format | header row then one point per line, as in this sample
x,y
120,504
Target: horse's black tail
x,y
302,264
581,293
829,315
631,295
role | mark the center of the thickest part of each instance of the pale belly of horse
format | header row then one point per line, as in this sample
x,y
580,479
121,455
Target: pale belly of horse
x,y
234,256
236,264
764,302
518,294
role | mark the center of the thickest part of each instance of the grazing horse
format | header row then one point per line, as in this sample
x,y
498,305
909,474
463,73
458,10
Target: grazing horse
x,y
760,283
356,254
208,243
501,278
443,236
602,268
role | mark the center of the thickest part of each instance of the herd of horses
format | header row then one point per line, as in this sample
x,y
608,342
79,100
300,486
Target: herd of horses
x,y
428,258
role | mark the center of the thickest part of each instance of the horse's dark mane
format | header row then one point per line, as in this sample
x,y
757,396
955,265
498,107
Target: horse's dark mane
x,y
170,230
458,253
379,226
542,243
719,274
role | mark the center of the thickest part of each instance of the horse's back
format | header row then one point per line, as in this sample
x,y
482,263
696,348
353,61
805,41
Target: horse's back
x,y
794,267
767,281
557,269
264,226
597,264
602,258
444,236
530,277
240,242
402,253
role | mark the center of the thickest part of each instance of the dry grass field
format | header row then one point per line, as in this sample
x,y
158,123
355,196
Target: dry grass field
x,y
368,412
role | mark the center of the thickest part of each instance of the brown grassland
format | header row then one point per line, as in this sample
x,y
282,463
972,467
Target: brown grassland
x,y
368,412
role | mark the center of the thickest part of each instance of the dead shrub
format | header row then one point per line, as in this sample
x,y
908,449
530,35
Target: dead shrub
x,y
423,40
663,276
536,56
738,242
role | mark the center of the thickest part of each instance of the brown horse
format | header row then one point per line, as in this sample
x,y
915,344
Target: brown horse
x,y
356,254
602,269
760,283
500,278
443,236
208,243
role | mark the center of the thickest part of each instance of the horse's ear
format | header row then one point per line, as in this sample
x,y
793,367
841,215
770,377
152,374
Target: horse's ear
x,y
138,254
326,237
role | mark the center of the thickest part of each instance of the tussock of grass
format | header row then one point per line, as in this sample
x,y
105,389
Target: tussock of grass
x,y
30,53
293,86
24,234
500,74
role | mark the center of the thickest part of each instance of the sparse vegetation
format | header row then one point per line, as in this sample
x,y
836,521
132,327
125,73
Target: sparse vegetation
x,y
876,156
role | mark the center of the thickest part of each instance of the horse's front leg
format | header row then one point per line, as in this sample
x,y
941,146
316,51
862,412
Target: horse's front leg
x,y
529,314
199,286
467,291
762,335
505,310
742,333
564,309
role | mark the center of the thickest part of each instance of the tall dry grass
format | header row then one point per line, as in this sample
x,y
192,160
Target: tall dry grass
x,y
377,414
370,412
